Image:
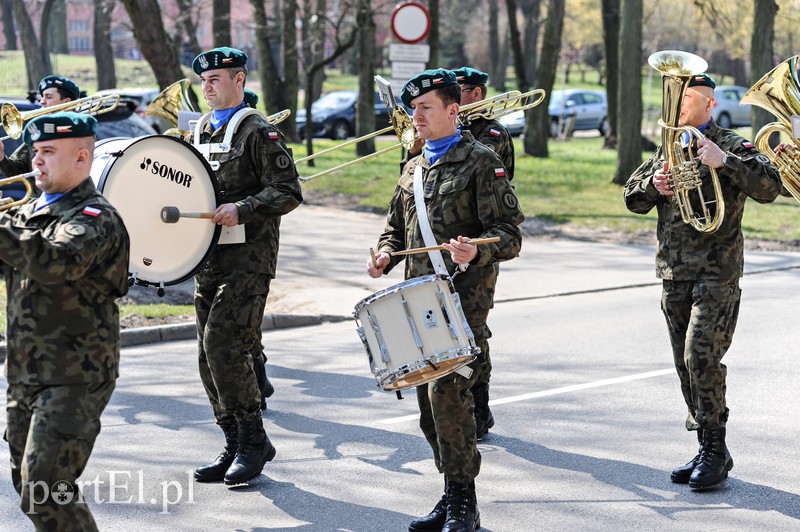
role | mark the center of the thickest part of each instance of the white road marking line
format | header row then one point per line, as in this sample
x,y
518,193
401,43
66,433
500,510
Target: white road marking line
x,y
545,393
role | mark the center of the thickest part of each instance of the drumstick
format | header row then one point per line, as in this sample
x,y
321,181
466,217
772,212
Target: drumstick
x,y
171,215
474,242
374,260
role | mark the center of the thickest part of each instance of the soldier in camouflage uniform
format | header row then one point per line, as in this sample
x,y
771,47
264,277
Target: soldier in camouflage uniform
x,y
65,261
467,196
54,90
492,134
259,184
701,271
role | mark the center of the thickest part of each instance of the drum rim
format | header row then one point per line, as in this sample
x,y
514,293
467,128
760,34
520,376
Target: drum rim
x,y
217,199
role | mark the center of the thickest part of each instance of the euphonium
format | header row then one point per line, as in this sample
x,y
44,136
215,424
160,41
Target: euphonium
x,y
676,69
779,93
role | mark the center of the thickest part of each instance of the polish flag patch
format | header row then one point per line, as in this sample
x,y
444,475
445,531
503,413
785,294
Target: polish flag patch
x,y
499,172
273,135
64,129
92,211
227,60
494,133
746,144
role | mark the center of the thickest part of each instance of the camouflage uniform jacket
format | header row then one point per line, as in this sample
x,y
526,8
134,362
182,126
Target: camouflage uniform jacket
x,y
64,266
259,176
492,134
685,254
466,194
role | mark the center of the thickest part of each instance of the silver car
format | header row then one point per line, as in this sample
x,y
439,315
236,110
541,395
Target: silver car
x,y
727,112
582,109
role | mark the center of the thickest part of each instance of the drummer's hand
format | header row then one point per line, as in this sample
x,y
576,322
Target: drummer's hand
x,y
382,259
226,214
460,252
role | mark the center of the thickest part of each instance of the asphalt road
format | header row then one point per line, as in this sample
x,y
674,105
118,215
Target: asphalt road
x,y
589,424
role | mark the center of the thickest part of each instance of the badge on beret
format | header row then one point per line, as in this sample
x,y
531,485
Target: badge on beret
x,y
222,57
59,126
34,132
203,62
412,90
59,82
426,82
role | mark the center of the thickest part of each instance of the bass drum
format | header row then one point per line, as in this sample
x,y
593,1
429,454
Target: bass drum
x,y
139,176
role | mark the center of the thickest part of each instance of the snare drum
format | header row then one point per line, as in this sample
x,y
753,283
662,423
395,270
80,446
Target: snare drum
x,y
141,175
415,332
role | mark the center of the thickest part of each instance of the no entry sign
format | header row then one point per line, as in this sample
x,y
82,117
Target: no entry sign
x,y
411,22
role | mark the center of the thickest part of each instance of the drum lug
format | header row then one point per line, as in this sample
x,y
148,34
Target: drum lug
x,y
161,290
399,394
132,279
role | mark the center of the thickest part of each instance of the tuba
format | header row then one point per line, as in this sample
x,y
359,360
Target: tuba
x,y
676,69
779,93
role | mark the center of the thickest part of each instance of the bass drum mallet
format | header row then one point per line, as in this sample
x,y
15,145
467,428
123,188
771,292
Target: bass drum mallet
x,y
171,215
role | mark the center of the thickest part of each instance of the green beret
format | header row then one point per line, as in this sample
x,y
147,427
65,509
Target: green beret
x,y
426,82
471,76
223,57
702,80
59,126
59,82
250,98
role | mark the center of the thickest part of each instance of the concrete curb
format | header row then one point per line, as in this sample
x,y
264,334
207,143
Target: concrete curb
x,y
187,331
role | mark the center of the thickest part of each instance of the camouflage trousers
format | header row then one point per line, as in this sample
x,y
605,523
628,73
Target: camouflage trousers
x,y
230,307
447,420
701,318
51,432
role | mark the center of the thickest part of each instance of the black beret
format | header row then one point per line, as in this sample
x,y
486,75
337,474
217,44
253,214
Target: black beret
x,y
223,57
59,126
250,98
702,80
426,82
471,76
59,82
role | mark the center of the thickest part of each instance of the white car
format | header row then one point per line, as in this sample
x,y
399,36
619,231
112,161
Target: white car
x,y
727,112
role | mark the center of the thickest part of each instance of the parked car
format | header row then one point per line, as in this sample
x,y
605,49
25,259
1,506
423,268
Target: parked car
x,y
588,107
727,112
121,122
334,115
143,98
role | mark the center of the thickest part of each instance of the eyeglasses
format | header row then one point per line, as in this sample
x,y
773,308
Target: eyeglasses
x,y
469,89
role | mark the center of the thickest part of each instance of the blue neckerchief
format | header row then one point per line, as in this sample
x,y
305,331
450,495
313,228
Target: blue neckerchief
x,y
685,136
220,118
46,199
434,149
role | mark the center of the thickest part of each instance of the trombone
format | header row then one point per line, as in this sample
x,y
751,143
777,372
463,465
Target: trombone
x,y
489,109
13,121
7,203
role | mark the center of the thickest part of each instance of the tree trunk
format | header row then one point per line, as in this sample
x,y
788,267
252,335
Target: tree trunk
x,y
221,22
365,108
44,33
499,78
271,82
187,29
290,73
629,102
610,10
494,40
34,66
153,41
318,50
57,35
530,40
103,52
761,55
7,12
537,120
433,35
516,46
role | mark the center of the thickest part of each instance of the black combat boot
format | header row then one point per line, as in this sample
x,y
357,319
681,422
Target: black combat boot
x,y
681,474
434,520
715,461
215,471
462,508
264,385
254,450
484,420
